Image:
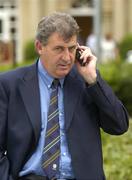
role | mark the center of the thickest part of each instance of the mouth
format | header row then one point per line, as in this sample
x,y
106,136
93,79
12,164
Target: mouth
x,y
64,66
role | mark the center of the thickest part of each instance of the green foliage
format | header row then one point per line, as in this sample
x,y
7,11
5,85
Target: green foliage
x,y
125,45
117,153
7,67
29,50
119,76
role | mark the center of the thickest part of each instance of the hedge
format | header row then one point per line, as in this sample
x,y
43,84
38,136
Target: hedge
x,y
29,50
125,45
117,154
119,77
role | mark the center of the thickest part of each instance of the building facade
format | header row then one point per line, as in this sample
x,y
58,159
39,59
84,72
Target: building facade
x,y
19,18
8,30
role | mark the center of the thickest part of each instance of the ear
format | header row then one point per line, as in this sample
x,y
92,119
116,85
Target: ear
x,y
38,47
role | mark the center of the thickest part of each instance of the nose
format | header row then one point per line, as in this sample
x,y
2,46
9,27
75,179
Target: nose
x,y
66,54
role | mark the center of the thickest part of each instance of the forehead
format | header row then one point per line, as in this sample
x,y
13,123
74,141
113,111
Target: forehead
x,y
56,38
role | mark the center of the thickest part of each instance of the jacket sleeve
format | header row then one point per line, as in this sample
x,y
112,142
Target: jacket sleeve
x,y
113,116
4,162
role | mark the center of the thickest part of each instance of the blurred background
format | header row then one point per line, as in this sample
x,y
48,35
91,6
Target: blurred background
x,y
19,18
106,27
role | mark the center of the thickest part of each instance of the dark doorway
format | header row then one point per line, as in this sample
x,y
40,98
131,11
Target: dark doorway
x,y
86,26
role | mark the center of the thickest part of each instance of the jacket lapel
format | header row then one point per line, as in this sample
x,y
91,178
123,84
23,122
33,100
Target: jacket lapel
x,y
72,91
29,90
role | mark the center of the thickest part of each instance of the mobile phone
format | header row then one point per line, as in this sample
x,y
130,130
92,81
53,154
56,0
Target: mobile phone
x,y
78,55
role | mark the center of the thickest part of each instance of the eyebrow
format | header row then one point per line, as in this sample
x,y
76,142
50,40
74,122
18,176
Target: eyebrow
x,y
60,46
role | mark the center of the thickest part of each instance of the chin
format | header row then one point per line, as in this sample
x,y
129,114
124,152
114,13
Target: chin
x,y
63,73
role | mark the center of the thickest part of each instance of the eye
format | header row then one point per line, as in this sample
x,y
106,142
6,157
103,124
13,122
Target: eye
x,y
59,49
72,49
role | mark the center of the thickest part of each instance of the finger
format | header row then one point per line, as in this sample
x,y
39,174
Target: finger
x,y
86,55
84,47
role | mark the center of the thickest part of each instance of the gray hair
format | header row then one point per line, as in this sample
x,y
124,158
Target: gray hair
x,y
64,24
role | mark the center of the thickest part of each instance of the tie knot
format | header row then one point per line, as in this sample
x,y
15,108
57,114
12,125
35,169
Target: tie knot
x,y
55,83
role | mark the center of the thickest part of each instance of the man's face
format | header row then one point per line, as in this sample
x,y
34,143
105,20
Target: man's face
x,y
58,56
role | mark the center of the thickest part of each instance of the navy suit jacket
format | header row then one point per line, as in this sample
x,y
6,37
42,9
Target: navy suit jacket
x,y
87,109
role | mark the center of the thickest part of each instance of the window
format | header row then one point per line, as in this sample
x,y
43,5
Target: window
x,y
79,3
7,4
12,19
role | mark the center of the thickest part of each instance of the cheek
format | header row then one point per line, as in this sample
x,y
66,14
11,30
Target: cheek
x,y
73,58
73,55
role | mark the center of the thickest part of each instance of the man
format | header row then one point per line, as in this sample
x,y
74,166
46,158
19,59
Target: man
x,y
85,104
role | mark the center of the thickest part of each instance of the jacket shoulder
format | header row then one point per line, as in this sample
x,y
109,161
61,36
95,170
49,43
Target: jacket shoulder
x,y
16,73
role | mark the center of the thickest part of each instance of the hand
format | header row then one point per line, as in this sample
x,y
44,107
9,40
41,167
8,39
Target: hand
x,y
88,72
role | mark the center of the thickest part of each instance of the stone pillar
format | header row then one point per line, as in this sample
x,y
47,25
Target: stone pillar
x,y
119,18
28,16
130,16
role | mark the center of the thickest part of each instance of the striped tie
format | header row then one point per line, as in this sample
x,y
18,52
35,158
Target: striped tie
x,y
51,151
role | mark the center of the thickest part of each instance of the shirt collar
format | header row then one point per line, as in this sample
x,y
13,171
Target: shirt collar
x,y
48,79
